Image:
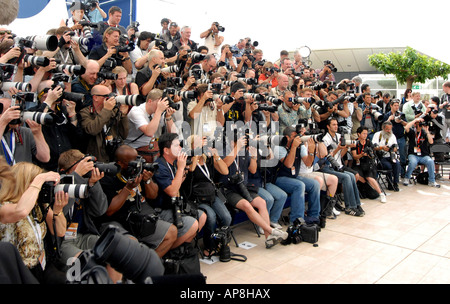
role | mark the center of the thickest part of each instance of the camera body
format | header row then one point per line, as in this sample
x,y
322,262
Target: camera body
x,y
136,167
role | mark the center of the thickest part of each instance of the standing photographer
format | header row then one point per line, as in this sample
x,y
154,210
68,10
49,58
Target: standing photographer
x,y
151,76
105,122
20,143
413,108
371,116
291,110
212,38
110,49
364,161
148,122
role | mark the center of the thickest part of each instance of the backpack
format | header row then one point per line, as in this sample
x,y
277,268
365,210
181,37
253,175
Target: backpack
x,y
182,260
422,178
366,191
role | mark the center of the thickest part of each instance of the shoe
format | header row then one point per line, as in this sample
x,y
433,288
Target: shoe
x,y
260,230
435,185
335,212
361,210
275,237
354,212
396,189
383,198
275,225
406,181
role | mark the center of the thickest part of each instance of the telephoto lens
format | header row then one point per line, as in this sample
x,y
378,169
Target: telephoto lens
x,y
134,260
130,100
39,117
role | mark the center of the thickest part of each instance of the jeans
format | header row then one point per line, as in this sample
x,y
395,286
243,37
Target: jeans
x,y
402,151
349,187
275,199
215,213
297,187
387,164
415,160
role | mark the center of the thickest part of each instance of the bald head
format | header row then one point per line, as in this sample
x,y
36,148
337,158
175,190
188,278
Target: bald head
x,y
125,154
92,68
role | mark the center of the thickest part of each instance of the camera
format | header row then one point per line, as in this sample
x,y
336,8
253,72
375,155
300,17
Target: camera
x,y
103,75
130,100
377,115
44,43
21,86
238,180
274,100
221,239
294,232
170,69
224,98
166,94
67,185
394,156
219,28
72,69
37,60
136,167
266,107
400,115
369,151
330,64
177,205
197,73
125,45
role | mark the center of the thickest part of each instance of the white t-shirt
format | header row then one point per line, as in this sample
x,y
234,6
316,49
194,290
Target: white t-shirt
x,y
303,153
378,139
204,123
138,117
334,143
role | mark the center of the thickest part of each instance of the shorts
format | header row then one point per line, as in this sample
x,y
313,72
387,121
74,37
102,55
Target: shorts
x,y
366,171
71,248
188,221
233,197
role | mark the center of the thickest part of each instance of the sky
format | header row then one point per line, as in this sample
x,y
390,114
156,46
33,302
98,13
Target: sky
x,y
325,24
288,24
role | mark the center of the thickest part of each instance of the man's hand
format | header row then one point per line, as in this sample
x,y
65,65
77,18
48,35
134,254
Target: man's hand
x,y
96,175
181,161
11,113
296,142
110,103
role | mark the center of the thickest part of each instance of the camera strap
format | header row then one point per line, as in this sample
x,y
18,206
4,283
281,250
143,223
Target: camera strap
x,y
9,151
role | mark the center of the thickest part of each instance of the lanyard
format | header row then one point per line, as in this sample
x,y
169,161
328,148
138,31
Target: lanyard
x,y
359,151
418,138
205,171
9,153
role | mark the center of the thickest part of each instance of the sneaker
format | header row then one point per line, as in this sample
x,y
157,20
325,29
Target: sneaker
x,y
406,181
260,230
354,212
276,237
361,210
335,212
435,185
275,225
383,198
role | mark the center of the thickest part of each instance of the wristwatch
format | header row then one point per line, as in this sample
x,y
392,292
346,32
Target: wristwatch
x,y
148,182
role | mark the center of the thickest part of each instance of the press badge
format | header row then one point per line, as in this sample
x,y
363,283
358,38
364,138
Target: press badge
x,y
417,151
293,170
42,260
71,232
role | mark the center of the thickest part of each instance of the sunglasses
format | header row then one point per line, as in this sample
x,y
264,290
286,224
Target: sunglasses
x,y
104,96
5,32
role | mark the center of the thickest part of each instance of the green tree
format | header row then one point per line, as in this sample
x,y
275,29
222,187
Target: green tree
x,y
410,66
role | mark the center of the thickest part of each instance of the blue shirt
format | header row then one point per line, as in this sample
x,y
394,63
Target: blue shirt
x,y
95,16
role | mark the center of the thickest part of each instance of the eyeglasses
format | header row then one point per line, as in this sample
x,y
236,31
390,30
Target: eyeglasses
x,y
5,32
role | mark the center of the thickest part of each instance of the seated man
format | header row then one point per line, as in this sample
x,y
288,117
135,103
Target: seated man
x,y
82,233
169,177
289,180
386,142
420,140
129,192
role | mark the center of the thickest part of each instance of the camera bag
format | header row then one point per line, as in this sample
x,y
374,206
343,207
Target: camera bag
x,y
422,178
182,260
310,233
204,192
141,225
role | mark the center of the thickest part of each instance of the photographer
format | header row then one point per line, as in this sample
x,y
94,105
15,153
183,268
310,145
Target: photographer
x,y
121,86
414,108
371,116
290,111
172,34
269,76
114,18
212,38
170,177
444,106
438,129
206,113
282,86
63,53
420,139
226,58
147,123
385,103
28,231
241,107
21,143
398,120
346,176
295,185
65,132
184,40
364,161
151,76
386,143
84,83
129,193
96,14
110,49
200,185
327,72
244,196
81,213
139,56
105,123
77,9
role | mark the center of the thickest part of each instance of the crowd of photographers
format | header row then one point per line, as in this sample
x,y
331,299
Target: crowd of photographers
x,y
157,137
